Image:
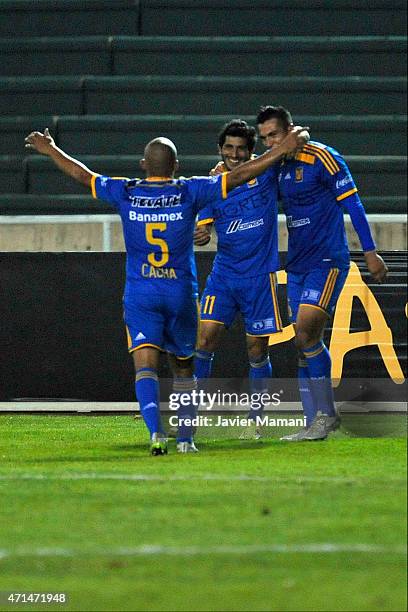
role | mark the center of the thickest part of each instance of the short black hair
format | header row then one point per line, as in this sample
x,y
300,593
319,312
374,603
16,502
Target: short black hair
x,y
240,128
274,112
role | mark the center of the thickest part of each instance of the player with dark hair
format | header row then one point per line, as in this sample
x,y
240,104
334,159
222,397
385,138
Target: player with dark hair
x,y
316,187
243,277
158,217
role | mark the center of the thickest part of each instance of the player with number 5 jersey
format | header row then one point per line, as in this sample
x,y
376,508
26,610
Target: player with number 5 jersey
x,y
158,217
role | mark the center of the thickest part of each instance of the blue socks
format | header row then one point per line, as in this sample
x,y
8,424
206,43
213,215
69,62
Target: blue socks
x,y
203,364
147,393
259,372
305,391
319,366
187,410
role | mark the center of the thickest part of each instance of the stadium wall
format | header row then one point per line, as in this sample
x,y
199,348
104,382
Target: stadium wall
x,y
63,336
96,232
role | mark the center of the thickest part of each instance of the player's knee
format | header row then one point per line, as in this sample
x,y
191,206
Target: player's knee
x,y
304,339
207,341
257,349
183,368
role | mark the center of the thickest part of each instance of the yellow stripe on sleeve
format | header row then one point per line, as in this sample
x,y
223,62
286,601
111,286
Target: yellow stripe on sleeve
x,y
325,153
93,187
224,185
325,157
205,222
343,196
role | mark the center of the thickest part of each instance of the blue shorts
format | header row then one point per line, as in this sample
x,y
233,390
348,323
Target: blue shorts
x,y
319,288
255,298
166,321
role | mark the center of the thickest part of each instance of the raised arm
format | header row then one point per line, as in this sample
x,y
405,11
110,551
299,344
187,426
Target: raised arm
x,y
44,144
293,142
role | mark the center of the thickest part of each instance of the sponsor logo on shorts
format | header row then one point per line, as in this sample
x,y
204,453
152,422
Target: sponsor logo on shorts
x,y
291,222
311,294
265,324
238,226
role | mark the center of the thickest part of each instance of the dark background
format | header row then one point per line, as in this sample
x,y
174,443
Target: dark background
x,y
62,334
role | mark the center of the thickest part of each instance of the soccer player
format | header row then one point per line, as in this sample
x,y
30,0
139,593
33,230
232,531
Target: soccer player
x,y
316,187
243,277
158,217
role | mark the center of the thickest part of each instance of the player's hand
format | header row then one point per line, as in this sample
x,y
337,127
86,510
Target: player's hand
x,y
42,143
202,235
376,266
219,169
296,139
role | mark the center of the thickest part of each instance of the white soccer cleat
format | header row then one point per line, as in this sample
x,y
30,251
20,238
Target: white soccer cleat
x,y
322,425
298,436
186,447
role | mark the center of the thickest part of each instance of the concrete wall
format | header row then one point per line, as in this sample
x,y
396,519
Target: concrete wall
x,y
104,233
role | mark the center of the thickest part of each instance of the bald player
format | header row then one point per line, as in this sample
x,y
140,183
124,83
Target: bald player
x,y
160,298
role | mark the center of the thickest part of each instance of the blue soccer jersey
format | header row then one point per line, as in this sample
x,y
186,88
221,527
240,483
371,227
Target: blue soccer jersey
x,y
158,219
246,226
313,186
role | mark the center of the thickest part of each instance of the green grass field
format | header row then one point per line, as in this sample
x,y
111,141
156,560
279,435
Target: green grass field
x,y
243,525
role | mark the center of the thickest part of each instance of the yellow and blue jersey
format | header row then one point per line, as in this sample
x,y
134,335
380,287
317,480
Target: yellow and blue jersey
x,y
158,218
246,226
314,188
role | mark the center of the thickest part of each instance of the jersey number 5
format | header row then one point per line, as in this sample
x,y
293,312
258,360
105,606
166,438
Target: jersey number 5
x,y
155,258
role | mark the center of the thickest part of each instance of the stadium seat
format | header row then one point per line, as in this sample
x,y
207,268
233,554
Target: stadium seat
x,y
68,17
128,134
13,130
43,204
44,177
12,177
41,95
218,95
379,175
387,205
373,175
55,56
287,55
267,18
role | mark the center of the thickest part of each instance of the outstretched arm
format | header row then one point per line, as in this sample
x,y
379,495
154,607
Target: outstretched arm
x,y
44,144
293,142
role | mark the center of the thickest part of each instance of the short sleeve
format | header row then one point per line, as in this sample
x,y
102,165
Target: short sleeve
x,y
336,174
109,189
205,216
203,190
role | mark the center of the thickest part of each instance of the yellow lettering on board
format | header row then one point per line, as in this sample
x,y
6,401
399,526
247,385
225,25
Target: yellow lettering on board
x,y
288,332
342,341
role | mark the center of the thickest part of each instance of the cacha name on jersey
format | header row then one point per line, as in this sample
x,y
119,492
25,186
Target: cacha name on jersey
x,y
149,271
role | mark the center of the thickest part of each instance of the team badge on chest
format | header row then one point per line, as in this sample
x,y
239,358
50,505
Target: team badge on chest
x,y
299,174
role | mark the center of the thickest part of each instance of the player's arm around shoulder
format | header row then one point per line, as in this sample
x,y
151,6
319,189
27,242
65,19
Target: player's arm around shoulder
x,y
44,144
294,141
